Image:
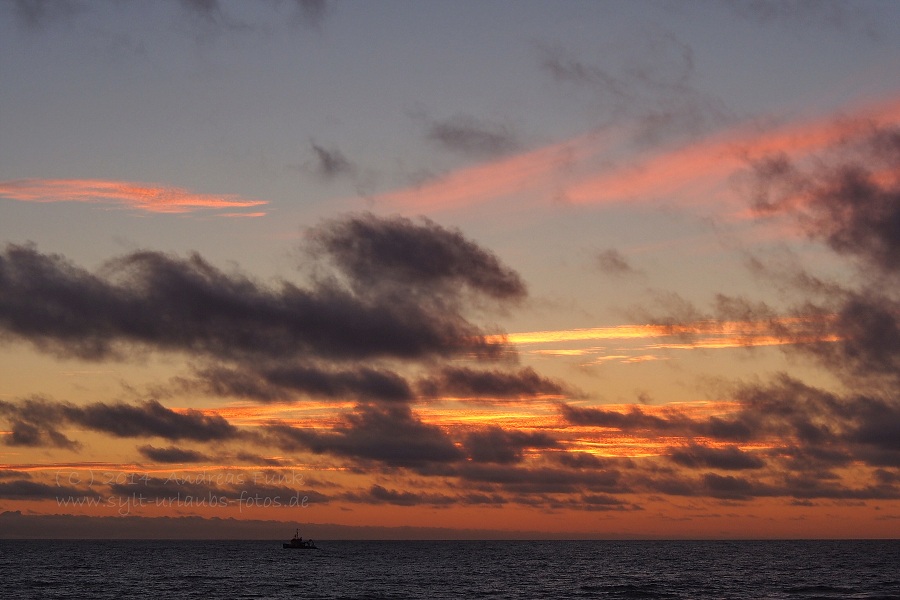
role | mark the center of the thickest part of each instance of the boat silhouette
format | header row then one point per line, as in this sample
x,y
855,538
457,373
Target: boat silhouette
x,y
299,543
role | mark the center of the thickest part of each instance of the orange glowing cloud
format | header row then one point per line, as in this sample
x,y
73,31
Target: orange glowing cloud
x,y
140,196
708,334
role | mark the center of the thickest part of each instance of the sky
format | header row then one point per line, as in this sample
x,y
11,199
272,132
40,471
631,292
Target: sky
x,y
504,269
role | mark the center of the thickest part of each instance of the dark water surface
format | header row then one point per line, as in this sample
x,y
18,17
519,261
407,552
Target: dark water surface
x,y
453,569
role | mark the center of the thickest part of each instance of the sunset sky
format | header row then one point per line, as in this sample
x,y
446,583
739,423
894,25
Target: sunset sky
x,y
450,269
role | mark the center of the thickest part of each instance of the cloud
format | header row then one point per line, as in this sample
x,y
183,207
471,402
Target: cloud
x,y
191,492
392,435
464,382
612,262
278,381
633,420
398,303
312,12
588,170
469,136
651,80
380,495
849,199
208,9
238,491
852,202
701,167
422,254
34,422
138,196
172,454
529,480
37,422
729,458
820,14
528,176
36,14
496,445
330,163
150,419
15,525
24,489
795,419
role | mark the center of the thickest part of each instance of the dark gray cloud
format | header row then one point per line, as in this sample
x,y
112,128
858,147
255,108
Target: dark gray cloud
x,y
847,17
798,419
15,525
464,382
404,300
612,262
651,81
312,12
150,419
172,454
582,460
256,459
378,494
237,491
469,136
633,420
38,421
34,422
25,489
868,327
496,445
729,458
527,480
390,434
187,490
566,68
36,14
419,255
208,9
210,15
276,381
331,163
731,487
844,200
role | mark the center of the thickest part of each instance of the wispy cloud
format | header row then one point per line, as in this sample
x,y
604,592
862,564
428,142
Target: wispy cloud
x,y
330,163
603,168
469,136
708,334
531,173
154,198
406,285
703,165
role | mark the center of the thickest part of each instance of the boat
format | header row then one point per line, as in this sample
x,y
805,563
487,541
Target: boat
x,y
298,542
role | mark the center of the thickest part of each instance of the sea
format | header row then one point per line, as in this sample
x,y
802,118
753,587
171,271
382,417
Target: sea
x,y
450,569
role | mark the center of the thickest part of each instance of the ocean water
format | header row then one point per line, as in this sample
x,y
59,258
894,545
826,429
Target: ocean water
x,y
451,569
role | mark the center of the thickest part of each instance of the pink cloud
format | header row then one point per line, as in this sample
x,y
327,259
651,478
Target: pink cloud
x,y
703,165
531,172
596,169
140,196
